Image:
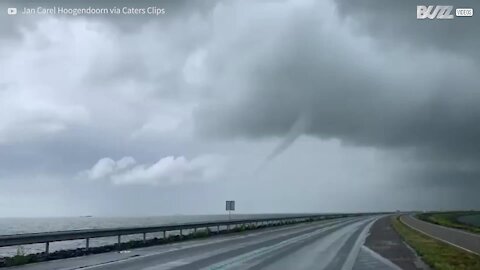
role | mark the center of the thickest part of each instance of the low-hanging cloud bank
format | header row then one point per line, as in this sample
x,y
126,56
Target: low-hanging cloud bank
x,y
208,76
361,89
167,171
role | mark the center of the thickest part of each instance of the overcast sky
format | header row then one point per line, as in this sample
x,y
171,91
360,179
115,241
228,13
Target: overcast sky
x,y
283,106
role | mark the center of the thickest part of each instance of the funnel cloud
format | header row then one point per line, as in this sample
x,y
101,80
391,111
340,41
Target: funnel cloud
x,y
179,109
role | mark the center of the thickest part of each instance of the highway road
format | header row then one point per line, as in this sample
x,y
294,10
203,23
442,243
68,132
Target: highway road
x,y
464,240
333,244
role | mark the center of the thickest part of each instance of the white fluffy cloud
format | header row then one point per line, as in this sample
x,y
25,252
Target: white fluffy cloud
x,y
167,171
211,78
107,166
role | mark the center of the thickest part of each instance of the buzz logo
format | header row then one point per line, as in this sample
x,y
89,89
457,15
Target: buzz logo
x,y
434,12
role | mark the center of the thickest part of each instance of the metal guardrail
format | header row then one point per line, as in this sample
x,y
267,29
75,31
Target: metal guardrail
x,y
47,237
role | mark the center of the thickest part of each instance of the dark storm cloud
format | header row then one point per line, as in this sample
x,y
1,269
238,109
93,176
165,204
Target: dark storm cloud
x,y
441,187
113,87
395,23
360,83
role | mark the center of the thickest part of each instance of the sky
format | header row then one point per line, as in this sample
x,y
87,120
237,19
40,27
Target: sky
x,y
284,106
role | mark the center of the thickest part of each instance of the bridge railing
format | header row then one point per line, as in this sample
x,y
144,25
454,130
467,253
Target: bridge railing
x,y
48,237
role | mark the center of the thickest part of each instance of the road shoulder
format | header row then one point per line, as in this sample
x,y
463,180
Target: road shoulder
x,y
386,242
439,254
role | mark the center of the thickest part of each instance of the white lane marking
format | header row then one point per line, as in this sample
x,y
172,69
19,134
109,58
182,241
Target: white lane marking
x,y
439,239
168,265
171,247
331,245
204,255
317,254
253,241
381,258
241,260
226,238
446,228
236,261
195,258
352,256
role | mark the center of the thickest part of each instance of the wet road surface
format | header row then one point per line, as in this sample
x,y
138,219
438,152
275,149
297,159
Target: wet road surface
x,y
384,240
334,244
465,240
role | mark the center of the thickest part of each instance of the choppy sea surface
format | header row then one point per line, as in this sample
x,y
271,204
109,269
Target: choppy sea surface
x,y
9,226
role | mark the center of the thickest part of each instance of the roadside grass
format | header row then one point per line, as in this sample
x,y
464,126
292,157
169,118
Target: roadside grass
x,y
436,254
450,219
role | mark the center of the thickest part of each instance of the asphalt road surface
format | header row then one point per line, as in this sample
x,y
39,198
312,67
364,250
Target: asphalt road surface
x,y
461,239
334,244
385,240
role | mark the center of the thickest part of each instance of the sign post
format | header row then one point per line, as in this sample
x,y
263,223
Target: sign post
x,y
229,206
